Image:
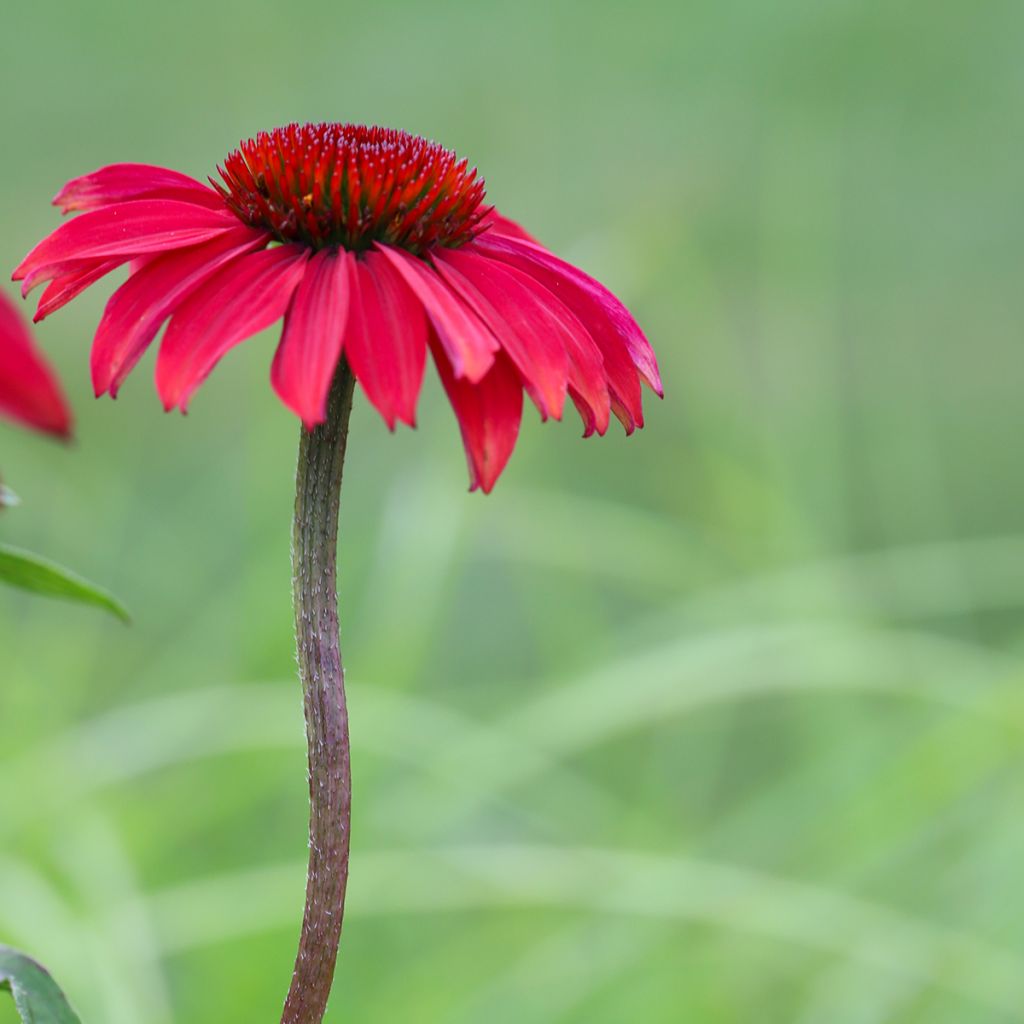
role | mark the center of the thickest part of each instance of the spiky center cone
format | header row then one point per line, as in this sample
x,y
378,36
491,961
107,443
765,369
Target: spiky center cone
x,y
351,185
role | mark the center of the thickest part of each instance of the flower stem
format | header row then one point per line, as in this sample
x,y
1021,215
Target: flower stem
x,y
314,552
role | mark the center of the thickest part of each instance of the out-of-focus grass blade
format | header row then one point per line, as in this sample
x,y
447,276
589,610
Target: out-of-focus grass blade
x,y
36,995
633,547
881,938
913,581
41,576
552,979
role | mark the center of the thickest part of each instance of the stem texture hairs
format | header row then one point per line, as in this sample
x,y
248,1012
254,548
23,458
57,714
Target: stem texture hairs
x,y
314,557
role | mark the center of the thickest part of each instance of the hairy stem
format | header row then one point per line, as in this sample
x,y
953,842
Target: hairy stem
x,y
314,550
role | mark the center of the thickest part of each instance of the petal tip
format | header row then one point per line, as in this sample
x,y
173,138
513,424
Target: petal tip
x,y
101,384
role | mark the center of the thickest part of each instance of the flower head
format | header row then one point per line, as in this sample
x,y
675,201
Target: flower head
x,y
375,246
351,186
29,391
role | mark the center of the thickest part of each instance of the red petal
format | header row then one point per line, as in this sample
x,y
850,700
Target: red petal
x,y
524,326
386,338
242,298
63,289
621,374
489,413
123,231
610,307
499,225
587,385
65,268
122,182
469,345
138,308
314,326
29,391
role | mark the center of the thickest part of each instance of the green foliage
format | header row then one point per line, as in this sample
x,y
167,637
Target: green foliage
x,y
36,995
40,576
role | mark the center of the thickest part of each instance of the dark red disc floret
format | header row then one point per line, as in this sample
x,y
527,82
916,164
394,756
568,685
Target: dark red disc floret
x,y
351,185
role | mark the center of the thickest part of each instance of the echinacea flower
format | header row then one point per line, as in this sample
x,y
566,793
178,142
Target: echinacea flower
x,y
375,246
30,393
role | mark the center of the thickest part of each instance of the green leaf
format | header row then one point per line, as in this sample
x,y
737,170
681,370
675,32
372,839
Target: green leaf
x,y
36,995
30,572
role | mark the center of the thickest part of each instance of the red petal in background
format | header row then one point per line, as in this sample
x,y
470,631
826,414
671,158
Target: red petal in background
x,y
120,183
499,225
29,391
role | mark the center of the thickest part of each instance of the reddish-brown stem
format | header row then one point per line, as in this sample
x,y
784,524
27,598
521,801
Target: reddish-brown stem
x,y
314,552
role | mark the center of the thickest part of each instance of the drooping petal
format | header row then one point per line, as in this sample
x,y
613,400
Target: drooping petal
x,y
524,326
135,312
314,326
244,297
121,232
120,183
620,371
613,310
488,412
29,391
64,268
469,345
587,385
386,338
61,290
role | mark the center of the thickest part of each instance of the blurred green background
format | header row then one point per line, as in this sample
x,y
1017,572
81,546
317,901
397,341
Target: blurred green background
x,y
719,723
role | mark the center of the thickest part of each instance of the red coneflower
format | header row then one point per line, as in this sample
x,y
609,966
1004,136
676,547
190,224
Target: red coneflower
x,y
375,246
30,393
